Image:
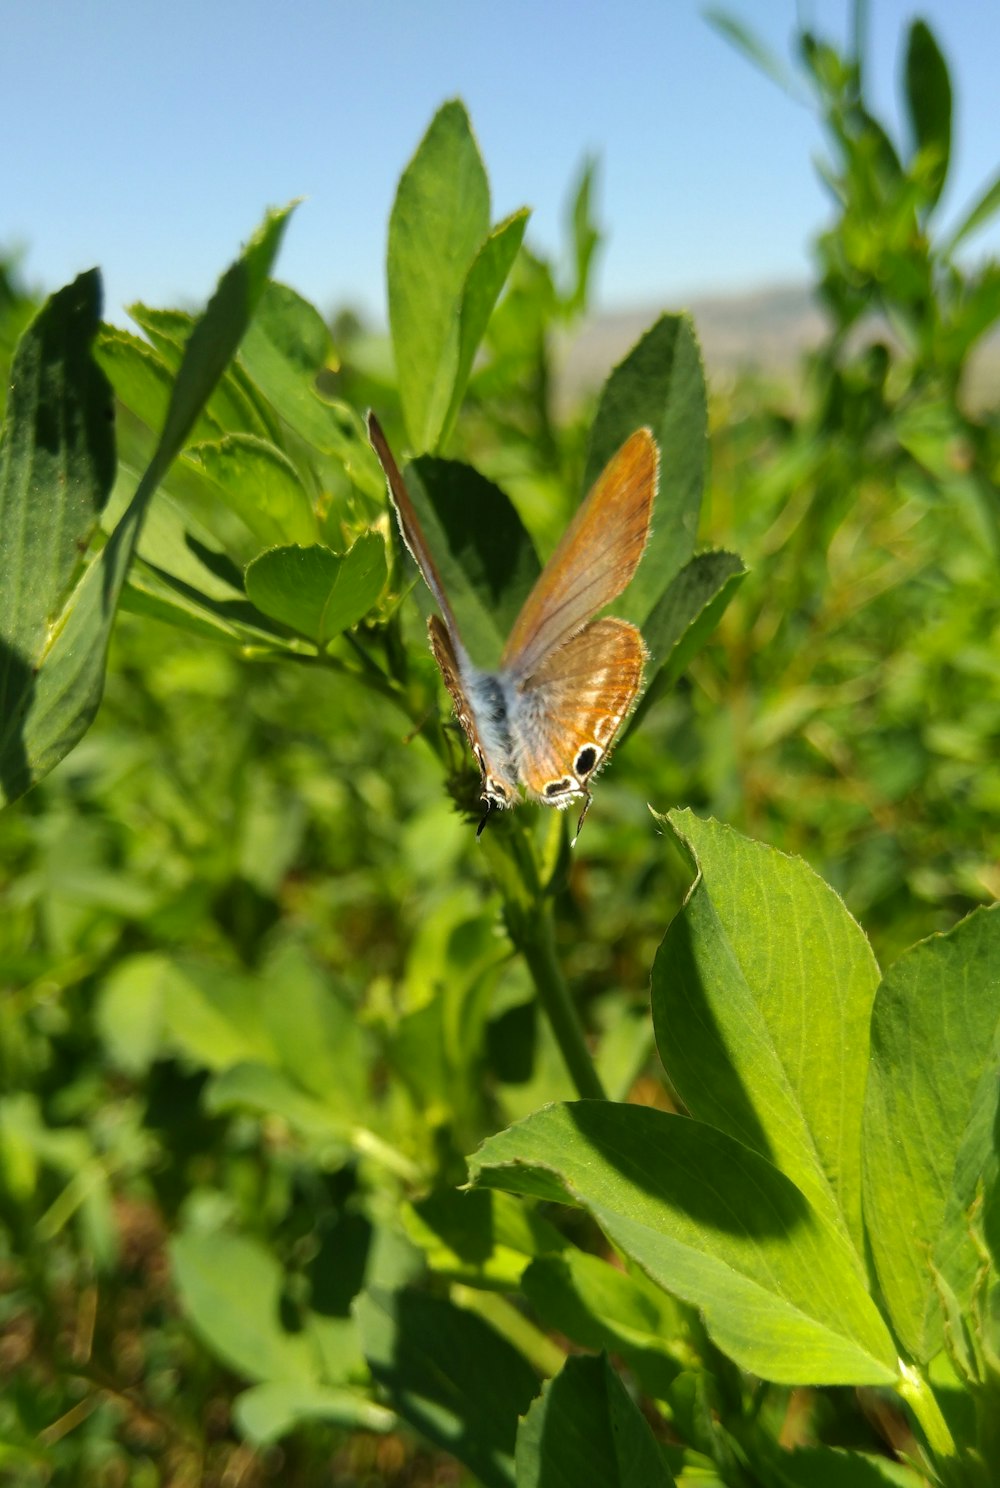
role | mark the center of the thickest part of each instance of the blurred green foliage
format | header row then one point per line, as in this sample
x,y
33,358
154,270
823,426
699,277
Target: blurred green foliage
x,y
262,991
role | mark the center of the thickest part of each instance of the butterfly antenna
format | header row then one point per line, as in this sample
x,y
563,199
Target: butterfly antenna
x,y
587,798
486,817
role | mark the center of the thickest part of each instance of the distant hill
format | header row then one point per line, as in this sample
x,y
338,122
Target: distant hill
x,y
767,330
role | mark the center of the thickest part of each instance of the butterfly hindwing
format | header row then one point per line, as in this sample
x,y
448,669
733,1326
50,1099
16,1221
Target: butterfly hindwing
x,y
571,707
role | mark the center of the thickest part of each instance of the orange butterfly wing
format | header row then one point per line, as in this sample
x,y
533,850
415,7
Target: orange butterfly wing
x,y
595,560
572,707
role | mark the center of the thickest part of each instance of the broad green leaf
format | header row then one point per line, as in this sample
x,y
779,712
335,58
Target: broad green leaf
x,y
283,352
129,1011
762,995
142,379
316,591
585,1431
660,384
439,222
230,1289
683,619
269,1092
57,466
689,611
262,486
68,685
928,100
487,277
483,1237
288,343
450,1375
212,1014
712,1222
484,556
929,1122
266,1413
316,1033
163,597
230,406
599,1306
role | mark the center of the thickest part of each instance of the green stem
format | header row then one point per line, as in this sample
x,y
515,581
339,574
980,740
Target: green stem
x,y
919,1396
536,1347
511,855
539,951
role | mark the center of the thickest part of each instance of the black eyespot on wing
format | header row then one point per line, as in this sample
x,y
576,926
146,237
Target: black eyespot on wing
x,y
585,760
560,787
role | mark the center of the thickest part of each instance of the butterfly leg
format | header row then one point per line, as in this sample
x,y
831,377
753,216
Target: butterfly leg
x,y
587,798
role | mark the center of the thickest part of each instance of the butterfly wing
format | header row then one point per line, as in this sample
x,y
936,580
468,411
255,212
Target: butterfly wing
x,y
566,715
410,529
478,700
595,560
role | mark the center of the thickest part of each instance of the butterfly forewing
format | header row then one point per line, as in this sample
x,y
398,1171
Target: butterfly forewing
x,y
573,705
595,560
409,525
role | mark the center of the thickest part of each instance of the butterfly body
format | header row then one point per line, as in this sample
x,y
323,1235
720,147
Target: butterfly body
x,y
547,717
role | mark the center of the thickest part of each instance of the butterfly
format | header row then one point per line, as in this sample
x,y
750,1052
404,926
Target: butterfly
x,y
547,717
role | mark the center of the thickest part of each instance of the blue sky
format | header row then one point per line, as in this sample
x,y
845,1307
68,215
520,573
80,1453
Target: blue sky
x,y
149,137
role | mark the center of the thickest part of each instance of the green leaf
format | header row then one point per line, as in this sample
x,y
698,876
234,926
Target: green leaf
x,y
68,685
129,1011
283,352
316,591
762,993
584,1431
928,100
57,466
830,1467
143,381
660,384
982,209
684,618
711,1222
599,1306
230,1289
163,597
316,1033
231,404
266,1413
268,1092
450,1376
486,279
930,1116
485,558
484,1238
755,51
261,485
586,239
439,222
211,1014
286,346
689,610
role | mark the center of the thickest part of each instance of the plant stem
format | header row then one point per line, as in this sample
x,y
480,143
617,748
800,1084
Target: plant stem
x,y
918,1395
537,945
510,851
